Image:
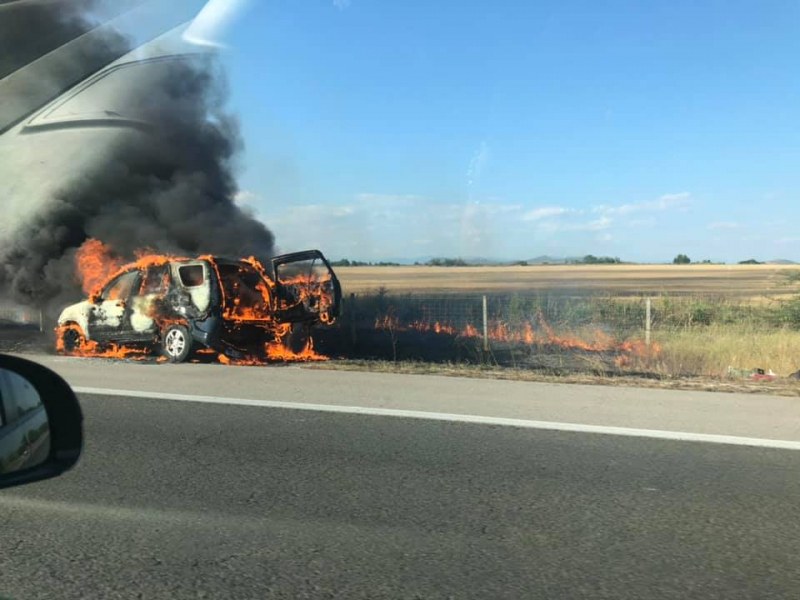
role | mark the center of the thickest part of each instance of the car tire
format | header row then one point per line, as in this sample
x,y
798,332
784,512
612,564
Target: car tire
x,y
72,339
176,343
298,337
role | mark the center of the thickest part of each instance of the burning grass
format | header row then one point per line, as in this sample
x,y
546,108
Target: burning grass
x,y
691,336
526,339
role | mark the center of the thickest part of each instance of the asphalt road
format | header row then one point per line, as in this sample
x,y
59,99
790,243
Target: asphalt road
x,y
747,415
184,500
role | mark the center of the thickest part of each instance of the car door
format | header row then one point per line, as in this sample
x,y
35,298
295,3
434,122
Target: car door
x,y
306,287
146,302
110,315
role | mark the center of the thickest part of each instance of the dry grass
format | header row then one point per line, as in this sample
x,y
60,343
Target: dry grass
x,y
738,280
706,318
709,351
779,387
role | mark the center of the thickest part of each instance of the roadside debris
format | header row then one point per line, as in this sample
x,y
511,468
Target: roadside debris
x,y
752,374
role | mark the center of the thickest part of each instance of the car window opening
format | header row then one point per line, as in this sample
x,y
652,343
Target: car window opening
x,y
121,288
191,275
156,281
244,289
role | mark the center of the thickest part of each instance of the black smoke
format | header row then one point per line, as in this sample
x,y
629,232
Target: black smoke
x,y
28,30
166,184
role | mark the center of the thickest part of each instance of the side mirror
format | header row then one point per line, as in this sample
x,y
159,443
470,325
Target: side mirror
x,y
41,433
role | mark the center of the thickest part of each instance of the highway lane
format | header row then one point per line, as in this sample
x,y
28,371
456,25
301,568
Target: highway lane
x,y
184,500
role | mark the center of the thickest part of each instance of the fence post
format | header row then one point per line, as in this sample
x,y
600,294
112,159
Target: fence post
x,y
485,329
647,322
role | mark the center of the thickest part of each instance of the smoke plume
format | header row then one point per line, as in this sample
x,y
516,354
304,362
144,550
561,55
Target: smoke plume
x,y
26,34
166,182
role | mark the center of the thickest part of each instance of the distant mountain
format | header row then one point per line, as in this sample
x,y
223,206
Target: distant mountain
x,y
547,260
558,260
781,261
484,262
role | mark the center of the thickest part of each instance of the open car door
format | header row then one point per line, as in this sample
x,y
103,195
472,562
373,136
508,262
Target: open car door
x,y
306,288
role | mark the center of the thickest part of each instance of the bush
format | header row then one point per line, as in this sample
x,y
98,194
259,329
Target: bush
x,y
446,262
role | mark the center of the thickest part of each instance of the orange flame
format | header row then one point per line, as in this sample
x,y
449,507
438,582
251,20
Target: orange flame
x,y
90,348
500,331
96,264
276,352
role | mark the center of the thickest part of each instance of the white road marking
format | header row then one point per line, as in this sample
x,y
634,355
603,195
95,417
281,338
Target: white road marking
x,y
683,436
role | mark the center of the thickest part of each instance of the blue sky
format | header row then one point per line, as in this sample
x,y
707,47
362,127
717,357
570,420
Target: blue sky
x,y
514,129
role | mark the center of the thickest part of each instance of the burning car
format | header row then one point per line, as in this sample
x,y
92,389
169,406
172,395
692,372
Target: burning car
x,y
233,307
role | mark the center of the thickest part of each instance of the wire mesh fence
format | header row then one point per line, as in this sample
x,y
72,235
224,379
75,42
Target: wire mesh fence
x,y
621,316
608,331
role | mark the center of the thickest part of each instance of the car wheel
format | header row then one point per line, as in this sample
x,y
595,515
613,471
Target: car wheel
x,y
299,337
71,339
176,343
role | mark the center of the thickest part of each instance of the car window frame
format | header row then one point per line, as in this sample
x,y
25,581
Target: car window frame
x,y
165,280
104,294
203,279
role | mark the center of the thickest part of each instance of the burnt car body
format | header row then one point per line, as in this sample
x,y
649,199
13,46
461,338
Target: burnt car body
x,y
231,306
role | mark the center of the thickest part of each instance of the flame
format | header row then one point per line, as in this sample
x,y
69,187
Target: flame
x,y
309,288
278,351
247,299
275,352
95,262
90,348
500,331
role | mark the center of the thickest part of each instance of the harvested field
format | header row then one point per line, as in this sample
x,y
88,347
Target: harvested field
x,y
724,280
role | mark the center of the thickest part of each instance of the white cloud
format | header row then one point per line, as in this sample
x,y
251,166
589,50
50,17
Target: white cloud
x,y
788,240
341,4
545,212
594,225
723,225
639,223
663,203
375,226
380,226
552,219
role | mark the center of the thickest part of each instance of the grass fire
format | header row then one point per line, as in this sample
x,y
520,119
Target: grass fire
x,y
532,335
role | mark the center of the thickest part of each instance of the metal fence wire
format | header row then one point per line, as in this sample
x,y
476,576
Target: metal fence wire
x,y
621,316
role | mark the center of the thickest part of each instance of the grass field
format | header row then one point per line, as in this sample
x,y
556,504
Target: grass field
x,y
705,318
728,280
